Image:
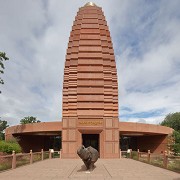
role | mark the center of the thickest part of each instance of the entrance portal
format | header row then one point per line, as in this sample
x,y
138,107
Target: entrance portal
x,y
127,142
91,140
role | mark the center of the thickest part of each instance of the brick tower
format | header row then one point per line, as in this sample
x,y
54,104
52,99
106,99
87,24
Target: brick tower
x,y
90,89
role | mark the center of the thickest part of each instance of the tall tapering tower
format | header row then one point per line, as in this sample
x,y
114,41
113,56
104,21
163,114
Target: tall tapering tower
x,y
90,89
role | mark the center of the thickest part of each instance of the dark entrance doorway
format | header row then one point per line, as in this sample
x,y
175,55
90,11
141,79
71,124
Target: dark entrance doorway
x,y
52,142
127,142
91,140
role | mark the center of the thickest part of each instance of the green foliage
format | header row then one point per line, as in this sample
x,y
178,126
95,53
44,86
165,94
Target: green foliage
x,y
157,161
3,126
29,119
3,58
134,155
22,160
176,149
8,147
174,164
176,135
176,145
173,120
6,165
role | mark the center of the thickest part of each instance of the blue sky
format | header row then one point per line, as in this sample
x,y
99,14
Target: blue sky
x,y
146,41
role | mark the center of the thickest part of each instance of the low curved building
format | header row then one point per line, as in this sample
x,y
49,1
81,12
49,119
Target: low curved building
x,y
48,135
90,100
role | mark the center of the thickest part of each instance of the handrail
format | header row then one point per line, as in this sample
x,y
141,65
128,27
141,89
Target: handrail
x,y
152,158
172,156
37,152
143,152
23,154
6,156
30,154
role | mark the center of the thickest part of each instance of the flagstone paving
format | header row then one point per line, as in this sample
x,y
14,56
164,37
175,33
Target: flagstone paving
x,y
120,169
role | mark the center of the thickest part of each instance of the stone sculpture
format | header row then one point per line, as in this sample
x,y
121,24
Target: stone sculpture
x,y
89,156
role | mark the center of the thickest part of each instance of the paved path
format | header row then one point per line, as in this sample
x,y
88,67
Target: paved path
x,y
121,169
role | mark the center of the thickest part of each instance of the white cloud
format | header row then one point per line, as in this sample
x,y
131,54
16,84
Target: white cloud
x,y
150,78
146,40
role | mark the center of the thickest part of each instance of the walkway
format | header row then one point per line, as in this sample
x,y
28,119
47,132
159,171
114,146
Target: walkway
x,y
120,169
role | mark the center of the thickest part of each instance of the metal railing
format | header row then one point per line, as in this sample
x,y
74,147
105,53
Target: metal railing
x,y
15,160
158,159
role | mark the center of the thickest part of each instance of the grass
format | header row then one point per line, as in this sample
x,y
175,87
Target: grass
x,y
173,162
134,155
46,155
143,158
157,161
174,165
22,160
5,163
5,166
36,157
56,155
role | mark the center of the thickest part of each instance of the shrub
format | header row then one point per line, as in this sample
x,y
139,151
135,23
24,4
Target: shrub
x,y
134,155
176,149
8,147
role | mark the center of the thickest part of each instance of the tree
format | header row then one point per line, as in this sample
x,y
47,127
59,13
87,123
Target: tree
x,y
3,126
173,120
3,58
29,119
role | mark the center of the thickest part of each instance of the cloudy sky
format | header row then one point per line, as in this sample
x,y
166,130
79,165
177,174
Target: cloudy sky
x,y
146,41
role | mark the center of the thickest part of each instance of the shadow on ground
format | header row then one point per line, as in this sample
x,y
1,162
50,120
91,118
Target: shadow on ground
x,y
83,168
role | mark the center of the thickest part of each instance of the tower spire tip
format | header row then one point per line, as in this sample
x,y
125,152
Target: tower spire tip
x,y
90,4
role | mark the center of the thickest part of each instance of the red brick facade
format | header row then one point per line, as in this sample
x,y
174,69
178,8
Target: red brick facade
x,y
90,77
90,91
